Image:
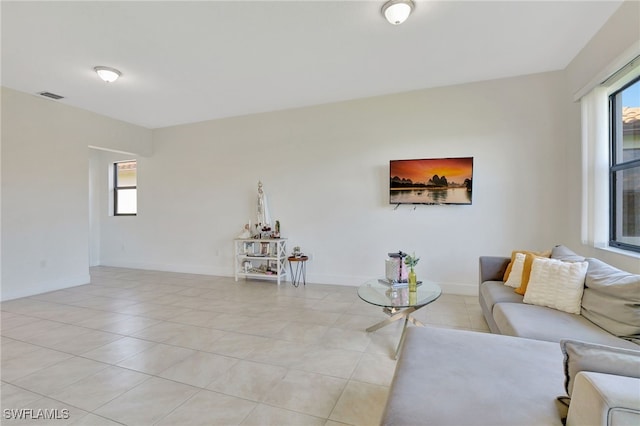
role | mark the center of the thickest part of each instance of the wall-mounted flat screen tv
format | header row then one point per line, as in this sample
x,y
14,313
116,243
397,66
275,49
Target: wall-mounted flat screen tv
x,y
431,181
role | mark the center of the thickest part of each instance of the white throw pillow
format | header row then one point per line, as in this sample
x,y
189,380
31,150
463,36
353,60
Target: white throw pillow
x,y
515,276
556,284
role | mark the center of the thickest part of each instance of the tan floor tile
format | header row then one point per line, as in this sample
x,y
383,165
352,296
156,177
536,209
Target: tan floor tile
x,y
346,339
250,380
240,345
60,375
156,359
264,415
28,331
162,331
261,327
106,303
98,389
84,342
163,312
58,336
30,363
209,408
147,403
92,420
129,326
119,350
298,356
47,412
302,332
200,338
230,322
375,369
334,423
328,361
320,318
198,318
199,369
60,296
307,393
361,404
15,348
16,320
14,397
279,352
355,322
383,344
102,319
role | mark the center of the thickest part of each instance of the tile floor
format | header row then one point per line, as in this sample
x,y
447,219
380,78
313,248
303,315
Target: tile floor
x,y
158,348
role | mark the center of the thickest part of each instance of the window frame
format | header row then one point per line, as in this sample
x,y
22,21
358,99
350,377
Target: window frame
x,y
116,188
614,166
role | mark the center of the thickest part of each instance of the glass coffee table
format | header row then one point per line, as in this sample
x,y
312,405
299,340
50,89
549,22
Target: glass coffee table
x,y
398,302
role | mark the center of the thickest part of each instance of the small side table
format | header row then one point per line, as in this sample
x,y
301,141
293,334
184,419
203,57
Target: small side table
x,y
301,269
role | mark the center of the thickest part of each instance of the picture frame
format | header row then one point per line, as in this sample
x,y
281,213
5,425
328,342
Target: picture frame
x,y
248,247
431,181
264,248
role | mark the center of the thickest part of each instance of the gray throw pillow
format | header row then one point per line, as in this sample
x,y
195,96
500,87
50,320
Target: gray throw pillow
x,y
583,356
565,254
606,279
612,299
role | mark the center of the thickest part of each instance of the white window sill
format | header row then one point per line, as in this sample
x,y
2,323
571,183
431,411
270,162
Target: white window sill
x,y
610,249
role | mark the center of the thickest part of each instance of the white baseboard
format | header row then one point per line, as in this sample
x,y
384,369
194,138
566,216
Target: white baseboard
x,y
170,267
344,280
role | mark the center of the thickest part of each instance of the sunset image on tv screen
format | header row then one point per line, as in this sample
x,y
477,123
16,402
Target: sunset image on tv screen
x,y
431,181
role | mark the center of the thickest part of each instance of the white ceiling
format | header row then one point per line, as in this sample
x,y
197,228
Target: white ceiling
x,y
184,62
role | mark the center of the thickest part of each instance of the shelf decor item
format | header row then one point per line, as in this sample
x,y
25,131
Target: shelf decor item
x,y
411,262
395,270
260,258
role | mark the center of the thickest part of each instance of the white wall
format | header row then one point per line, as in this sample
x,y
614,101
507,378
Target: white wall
x,y
325,170
45,195
620,33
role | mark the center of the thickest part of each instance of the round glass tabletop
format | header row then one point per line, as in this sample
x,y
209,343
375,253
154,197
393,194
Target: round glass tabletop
x,y
381,293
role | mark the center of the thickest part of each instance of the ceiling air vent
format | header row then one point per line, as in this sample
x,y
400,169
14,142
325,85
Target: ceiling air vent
x,y
50,95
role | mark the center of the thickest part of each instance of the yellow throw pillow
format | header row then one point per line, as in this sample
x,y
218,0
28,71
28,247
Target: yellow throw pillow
x,y
546,253
526,271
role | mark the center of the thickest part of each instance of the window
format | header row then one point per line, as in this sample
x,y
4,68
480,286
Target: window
x,y
624,169
125,191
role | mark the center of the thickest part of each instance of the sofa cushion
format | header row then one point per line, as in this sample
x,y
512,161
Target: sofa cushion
x,y
556,284
612,299
618,316
538,322
457,377
583,356
613,281
561,252
493,292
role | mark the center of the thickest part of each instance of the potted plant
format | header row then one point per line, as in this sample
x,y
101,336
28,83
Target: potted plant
x,y
411,262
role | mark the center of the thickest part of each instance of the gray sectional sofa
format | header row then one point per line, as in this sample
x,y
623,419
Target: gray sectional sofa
x,y
610,305
541,366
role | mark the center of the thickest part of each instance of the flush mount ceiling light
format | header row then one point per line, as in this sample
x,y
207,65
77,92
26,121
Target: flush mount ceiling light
x,y
397,11
108,74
